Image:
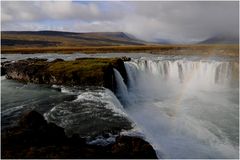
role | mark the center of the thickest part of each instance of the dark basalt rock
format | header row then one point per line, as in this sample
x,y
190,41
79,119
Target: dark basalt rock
x,y
133,146
35,138
3,71
126,58
32,120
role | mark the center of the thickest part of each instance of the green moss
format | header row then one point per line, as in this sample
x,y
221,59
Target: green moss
x,y
84,65
83,71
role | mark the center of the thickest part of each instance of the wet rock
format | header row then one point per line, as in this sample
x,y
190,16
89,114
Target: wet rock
x,y
124,58
58,60
133,147
33,130
4,66
3,71
35,138
32,120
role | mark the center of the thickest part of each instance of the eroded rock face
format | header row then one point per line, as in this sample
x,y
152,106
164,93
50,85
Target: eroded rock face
x,y
3,71
30,70
4,65
84,71
35,138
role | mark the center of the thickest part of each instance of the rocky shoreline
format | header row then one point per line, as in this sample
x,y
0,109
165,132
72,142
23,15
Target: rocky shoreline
x,y
34,137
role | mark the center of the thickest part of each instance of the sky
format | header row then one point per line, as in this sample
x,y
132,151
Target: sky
x,y
180,22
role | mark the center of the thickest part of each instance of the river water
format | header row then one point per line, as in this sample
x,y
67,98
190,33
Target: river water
x,y
185,106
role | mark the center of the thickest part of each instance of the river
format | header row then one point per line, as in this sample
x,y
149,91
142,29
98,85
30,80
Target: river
x,y
185,106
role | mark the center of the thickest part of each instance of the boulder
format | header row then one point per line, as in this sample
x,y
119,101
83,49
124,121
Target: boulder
x,y
32,120
124,58
133,147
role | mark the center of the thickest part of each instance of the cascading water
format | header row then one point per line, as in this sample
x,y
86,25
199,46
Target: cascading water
x,y
186,108
180,71
122,91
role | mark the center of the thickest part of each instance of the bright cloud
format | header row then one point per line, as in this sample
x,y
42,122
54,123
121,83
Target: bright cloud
x,y
177,21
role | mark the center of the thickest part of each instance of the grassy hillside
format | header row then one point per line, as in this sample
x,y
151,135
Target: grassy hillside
x,y
31,39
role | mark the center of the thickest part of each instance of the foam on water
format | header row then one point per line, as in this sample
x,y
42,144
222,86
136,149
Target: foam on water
x,y
102,141
95,111
106,96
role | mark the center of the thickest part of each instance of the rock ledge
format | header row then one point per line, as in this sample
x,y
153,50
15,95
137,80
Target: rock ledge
x,y
83,71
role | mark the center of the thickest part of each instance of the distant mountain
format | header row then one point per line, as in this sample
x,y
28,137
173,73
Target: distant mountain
x,y
220,40
162,41
63,39
120,35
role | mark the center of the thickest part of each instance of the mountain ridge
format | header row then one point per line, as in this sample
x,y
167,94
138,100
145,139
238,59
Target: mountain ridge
x,y
220,39
47,38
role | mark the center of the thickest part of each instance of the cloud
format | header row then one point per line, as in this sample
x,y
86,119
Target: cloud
x,y
187,20
50,10
176,21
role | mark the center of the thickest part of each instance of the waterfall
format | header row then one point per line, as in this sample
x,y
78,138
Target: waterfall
x,y
121,88
185,108
132,72
179,71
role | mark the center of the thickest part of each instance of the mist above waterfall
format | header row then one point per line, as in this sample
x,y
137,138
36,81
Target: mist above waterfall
x,y
186,108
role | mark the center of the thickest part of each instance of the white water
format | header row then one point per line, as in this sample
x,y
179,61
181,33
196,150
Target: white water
x,y
186,109
122,91
94,111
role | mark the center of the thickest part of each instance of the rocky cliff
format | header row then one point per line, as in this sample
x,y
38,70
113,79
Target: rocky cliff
x,y
84,71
